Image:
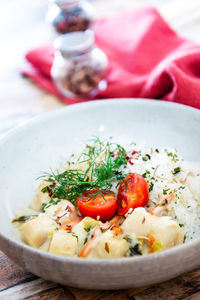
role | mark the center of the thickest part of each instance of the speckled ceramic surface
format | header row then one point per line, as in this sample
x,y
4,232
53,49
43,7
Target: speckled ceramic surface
x,y
42,143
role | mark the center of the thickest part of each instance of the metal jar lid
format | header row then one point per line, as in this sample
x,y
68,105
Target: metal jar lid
x,y
65,4
74,43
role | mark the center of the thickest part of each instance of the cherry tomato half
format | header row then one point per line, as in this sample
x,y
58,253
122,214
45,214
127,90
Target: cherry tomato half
x,y
133,192
97,203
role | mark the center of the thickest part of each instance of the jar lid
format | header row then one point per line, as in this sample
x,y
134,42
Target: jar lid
x,y
74,43
66,3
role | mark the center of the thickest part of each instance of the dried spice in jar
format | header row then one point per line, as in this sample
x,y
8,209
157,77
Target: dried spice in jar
x,y
70,15
79,67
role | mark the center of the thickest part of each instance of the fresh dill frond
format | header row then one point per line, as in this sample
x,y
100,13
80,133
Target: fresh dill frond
x,y
103,161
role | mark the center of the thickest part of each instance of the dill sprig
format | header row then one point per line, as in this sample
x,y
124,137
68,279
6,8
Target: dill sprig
x,y
103,160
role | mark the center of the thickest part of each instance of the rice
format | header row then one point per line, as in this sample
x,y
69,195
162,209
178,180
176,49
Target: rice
x,y
167,173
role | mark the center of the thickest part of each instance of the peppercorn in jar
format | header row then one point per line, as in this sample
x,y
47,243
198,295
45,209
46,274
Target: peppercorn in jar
x,y
79,67
70,15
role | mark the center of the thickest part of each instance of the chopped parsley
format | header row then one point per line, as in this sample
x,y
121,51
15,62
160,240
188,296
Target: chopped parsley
x,y
176,170
174,156
24,218
87,229
135,250
151,186
144,175
165,191
74,235
181,187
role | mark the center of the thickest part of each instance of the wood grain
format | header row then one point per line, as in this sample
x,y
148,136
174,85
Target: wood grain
x,y
193,297
10,273
179,288
25,289
20,99
58,293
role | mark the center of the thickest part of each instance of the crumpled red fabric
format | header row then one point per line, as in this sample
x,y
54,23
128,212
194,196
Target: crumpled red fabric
x,y
147,59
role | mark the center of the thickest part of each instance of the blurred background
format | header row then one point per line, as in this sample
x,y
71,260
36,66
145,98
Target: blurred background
x,y
23,27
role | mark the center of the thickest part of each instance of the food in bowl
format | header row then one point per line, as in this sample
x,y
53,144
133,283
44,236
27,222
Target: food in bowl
x,y
111,201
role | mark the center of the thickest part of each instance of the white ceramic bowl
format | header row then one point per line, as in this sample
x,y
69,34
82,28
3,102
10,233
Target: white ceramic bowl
x,y
40,145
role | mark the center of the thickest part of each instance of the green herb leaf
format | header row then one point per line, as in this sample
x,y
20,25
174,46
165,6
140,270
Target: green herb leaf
x,y
176,170
23,218
87,229
165,191
135,250
151,186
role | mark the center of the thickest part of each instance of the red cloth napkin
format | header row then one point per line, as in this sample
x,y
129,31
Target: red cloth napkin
x,y
147,59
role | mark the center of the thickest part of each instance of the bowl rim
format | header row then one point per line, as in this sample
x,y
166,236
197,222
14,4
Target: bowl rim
x,y
77,260
43,117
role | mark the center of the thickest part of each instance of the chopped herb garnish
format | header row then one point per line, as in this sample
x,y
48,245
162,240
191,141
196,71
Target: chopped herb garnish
x,y
51,202
157,150
146,173
24,218
104,160
181,225
176,170
151,186
172,155
135,250
181,187
165,191
74,235
87,229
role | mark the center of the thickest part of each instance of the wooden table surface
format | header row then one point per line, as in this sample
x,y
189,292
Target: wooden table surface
x,y
23,27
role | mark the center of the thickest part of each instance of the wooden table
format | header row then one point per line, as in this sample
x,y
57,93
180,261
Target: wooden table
x,y
23,27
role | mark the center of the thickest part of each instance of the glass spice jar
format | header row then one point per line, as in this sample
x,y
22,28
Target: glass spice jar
x,y
79,67
70,15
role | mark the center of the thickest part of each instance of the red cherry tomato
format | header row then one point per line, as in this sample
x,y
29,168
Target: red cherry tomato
x,y
133,192
97,203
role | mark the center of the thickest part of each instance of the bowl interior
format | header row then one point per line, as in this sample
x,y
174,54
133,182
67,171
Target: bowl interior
x,y
46,141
